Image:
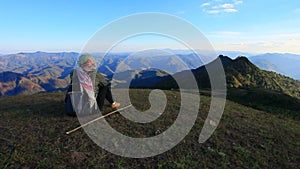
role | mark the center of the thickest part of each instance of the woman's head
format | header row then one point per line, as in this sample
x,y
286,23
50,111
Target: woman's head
x,y
87,62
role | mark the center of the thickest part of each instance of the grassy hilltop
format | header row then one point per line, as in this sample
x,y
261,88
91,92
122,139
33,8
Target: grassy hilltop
x,y
33,136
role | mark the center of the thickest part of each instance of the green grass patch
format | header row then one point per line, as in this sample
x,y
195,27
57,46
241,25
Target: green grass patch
x,y
33,136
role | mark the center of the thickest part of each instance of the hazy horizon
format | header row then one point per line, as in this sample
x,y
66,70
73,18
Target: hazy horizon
x,y
218,52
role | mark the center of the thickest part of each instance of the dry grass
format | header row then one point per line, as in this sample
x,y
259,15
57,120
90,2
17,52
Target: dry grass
x,y
33,136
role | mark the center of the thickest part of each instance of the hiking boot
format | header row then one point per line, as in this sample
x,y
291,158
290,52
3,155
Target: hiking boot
x,y
115,105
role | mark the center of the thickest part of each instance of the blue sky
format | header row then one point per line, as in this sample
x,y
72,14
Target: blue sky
x,y
255,26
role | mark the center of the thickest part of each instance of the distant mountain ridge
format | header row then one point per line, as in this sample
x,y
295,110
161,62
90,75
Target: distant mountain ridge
x,y
39,63
234,54
60,64
28,73
12,83
55,67
284,63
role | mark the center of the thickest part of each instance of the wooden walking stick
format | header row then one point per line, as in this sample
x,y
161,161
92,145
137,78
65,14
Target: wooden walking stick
x,y
79,127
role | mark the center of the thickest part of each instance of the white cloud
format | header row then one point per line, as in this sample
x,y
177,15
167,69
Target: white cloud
x,y
220,6
213,11
226,6
229,10
225,34
281,36
215,7
205,4
239,41
248,37
238,2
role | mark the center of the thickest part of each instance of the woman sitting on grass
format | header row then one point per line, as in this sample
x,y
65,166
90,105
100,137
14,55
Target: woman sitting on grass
x,y
86,85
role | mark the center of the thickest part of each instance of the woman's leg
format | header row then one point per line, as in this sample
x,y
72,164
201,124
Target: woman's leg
x,y
101,96
108,96
105,93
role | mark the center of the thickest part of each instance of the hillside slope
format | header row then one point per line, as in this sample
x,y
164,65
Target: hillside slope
x,y
138,78
12,83
241,73
33,136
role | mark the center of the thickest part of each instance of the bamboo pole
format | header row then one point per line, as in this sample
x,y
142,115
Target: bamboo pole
x,y
79,127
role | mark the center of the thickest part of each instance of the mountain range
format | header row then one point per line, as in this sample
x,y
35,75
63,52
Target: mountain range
x,y
12,83
240,73
284,63
52,69
56,65
46,72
